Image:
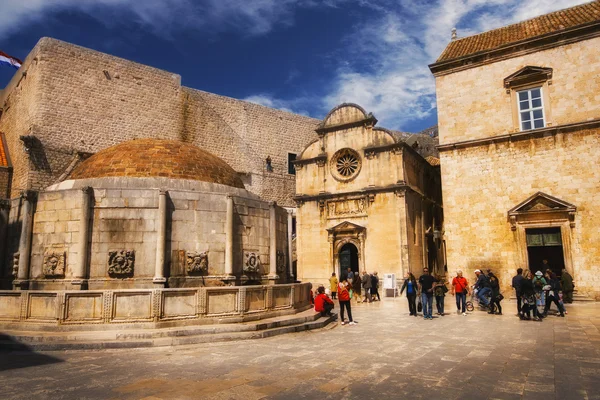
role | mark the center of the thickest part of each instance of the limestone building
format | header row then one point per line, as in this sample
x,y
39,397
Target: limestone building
x,y
519,123
367,200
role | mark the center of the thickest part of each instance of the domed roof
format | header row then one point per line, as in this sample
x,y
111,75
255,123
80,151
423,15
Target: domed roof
x,y
146,158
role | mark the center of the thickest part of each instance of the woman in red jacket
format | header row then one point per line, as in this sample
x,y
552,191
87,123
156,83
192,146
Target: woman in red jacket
x,y
323,303
344,297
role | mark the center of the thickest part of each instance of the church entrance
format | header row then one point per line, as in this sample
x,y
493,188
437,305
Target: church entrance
x,y
348,259
545,244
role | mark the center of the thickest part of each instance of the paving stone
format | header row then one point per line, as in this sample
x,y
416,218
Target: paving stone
x,y
387,355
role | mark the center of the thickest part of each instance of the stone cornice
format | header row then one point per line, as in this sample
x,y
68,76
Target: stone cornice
x,y
313,160
516,49
370,120
534,133
399,187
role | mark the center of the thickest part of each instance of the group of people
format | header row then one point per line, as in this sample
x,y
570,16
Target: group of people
x,y
532,292
542,289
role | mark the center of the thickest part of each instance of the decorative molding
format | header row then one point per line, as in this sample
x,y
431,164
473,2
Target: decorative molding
x,y
121,263
202,301
314,160
54,264
527,75
347,208
15,265
370,120
345,165
196,262
525,135
252,262
107,305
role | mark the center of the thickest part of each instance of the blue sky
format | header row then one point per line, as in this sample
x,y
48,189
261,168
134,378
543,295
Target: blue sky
x,y
304,56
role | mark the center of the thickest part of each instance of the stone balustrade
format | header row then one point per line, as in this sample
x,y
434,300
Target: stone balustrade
x,y
151,307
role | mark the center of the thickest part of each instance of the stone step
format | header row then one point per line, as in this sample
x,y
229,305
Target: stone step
x,y
160,337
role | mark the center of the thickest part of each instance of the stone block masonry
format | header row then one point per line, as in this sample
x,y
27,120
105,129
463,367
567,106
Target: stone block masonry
x,y
73,100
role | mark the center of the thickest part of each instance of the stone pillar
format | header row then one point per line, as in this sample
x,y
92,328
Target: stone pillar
x,y
4,214
229,240
332,255
161,239
79,270
22,281
272,242
290,249
362,256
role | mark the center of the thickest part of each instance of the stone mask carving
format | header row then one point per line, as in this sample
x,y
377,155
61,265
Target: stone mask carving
x,y
15,266
121,262
252,264
54,264
197,262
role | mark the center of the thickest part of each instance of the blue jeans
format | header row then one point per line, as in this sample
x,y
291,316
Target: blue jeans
x,y
481,295
427,301
439,303
461,298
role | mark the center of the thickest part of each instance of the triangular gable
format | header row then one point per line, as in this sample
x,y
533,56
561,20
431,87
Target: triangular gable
x,y
526,75
345,227
542,202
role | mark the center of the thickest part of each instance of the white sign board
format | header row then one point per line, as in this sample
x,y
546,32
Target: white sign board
x,y
389,281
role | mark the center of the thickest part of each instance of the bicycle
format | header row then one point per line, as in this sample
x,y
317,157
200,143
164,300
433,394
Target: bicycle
x,y
470,304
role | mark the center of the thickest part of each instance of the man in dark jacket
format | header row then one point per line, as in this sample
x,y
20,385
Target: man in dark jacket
x,y
375,286
366,284
483,288
566,281
516,284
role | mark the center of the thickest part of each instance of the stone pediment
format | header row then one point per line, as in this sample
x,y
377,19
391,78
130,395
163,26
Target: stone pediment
x,y
526,75
346,227
542,205
542,202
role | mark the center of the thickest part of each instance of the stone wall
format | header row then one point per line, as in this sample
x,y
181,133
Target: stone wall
x,y
147,308
75,100
481,184
127,220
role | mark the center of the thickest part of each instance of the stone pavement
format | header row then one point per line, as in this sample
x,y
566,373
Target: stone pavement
x,y
387,355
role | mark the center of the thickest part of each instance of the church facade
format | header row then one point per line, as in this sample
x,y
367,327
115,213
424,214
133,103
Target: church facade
x,y
368,200
519,124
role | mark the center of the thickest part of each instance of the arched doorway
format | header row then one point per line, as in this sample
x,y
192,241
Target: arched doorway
x,y
348,257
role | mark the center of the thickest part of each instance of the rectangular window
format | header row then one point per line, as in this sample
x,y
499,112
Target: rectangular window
x,y
291,159
531,109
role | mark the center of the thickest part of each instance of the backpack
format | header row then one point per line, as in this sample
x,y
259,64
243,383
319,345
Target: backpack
x,y
538,283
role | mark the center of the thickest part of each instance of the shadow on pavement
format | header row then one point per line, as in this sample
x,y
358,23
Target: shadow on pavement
x,y
14,354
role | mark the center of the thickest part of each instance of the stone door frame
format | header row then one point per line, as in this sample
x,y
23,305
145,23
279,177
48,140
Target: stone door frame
x,y
341,234
543,211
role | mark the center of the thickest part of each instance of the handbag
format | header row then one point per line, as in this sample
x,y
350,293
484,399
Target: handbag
x,y
500,297
419,306
444,288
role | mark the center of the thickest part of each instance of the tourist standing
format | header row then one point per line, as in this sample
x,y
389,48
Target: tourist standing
x,y
333,284
552,293
426,282
460,288
366,284
344,288
566,281
439,290
350,275
496,296
529,298
410,284
516,284
375,286
538,286
357,288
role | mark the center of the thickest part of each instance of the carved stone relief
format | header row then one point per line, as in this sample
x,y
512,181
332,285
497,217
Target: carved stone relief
x,y
280,261
197,262
15,265
252,262
54,264
345,208
121,262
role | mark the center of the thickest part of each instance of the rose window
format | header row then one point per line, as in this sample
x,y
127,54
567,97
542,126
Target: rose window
x,y
345,164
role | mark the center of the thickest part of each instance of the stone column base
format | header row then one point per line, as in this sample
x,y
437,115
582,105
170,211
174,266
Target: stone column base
x,y
229,279
159,282
20,285
272,279
79,284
